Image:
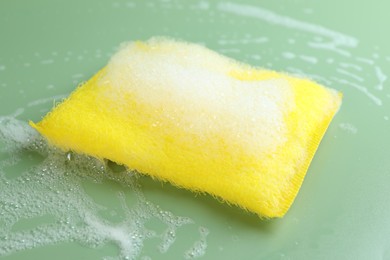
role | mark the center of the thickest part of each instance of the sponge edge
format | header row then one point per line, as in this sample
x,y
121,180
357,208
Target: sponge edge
x,y
185,114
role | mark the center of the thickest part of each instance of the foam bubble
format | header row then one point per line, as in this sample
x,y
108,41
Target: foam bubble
x,y
350,65
269,16
243,41
53,190
191,84
350,74
198,249
15,132
348,127
309,59
48,61
381,77
362,89
288,55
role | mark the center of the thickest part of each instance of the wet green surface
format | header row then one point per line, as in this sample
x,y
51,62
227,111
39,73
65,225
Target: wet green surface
x,y
342,210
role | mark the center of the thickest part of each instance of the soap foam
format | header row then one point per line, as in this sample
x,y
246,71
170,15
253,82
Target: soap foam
x,y
193,88
198,249
53,188
348,127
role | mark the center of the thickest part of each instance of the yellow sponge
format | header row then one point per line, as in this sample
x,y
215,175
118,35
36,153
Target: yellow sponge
x,y
185,114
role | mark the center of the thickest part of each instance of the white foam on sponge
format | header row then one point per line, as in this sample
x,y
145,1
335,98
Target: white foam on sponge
x,y
53,190
192,89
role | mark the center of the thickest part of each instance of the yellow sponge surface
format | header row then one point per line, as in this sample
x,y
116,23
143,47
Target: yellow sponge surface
x,y
185,114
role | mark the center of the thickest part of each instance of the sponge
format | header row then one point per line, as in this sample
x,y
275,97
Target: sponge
x,y
182,113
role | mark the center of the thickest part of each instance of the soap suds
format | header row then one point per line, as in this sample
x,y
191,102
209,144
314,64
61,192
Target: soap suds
x,y
46,100
365,60
198,249
49,61
243,41
381,77
351,75
350,65
257,12
362,89
348,127
310,59
297,38
192,85
288,55
342,49
329,46
54,187
77,76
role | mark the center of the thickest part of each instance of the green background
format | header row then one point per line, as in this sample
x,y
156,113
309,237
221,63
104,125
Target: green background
x,y
343,208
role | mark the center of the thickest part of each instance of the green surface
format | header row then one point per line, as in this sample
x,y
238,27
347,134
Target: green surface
x,y
342,210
